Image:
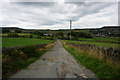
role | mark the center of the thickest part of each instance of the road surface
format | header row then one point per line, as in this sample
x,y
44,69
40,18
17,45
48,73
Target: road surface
x,y
56,63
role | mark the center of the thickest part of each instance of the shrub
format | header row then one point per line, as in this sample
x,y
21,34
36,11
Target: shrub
x,y
18,55
6,60
30,51
14,56
85,35
38,37
51,38
31,36
22,55
22,36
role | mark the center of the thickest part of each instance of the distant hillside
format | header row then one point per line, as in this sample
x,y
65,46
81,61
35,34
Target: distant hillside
x,y
11,28
111,27
113,31
106,31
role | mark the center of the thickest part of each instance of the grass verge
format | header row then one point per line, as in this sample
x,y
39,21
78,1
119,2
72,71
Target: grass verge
x,y
101,68
19,60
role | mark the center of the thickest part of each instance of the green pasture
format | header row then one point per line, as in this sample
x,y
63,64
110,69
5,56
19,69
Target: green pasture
x,y
20,34
84,31
45,36
35,36
13,42
102,39
99,44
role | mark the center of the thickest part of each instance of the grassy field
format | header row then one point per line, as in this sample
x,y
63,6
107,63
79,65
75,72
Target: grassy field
x,y
21,34
45,36
99,44
100,39
35,36
27,34
13,42
84,30
101,68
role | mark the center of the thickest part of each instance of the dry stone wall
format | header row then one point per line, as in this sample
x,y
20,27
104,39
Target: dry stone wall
x,y
110,54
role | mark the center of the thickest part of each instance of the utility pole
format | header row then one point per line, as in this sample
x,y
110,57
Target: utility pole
x,y
70,28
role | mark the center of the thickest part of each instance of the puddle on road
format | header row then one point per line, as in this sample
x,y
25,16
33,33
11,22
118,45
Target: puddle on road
x,y
50,59
43,59
50,63
51,50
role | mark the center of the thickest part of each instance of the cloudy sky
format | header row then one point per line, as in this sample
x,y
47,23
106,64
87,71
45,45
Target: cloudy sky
x,y
56,15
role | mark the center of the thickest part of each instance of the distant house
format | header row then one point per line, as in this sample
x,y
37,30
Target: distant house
x,y
50,34
45,34
113,31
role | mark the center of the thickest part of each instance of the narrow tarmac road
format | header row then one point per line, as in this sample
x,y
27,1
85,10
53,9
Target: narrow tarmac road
x,y
56,63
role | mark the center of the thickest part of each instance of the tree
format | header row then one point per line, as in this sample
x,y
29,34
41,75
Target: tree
x,y
61,34
17,31
38,33
31,36
5,31
76,35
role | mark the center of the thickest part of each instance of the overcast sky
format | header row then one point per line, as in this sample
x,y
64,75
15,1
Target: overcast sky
x,y
56,15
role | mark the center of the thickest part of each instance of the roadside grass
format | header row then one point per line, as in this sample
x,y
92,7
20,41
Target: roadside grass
x,y
13,42
101,68
18,63
99,44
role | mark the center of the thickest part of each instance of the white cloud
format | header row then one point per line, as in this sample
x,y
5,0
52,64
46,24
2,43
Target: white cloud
x,y
107,16
53,15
